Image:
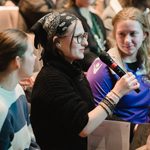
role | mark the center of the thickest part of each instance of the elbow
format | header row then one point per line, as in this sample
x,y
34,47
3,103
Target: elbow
x,y
83,134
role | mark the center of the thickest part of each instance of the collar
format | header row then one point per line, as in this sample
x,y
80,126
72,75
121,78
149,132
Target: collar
x,y
115,55
72,70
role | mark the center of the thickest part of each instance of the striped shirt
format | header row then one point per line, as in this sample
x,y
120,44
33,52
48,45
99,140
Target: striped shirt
x,y
15,129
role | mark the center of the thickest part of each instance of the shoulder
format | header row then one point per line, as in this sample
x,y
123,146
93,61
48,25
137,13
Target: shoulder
x,y
50,79
97,69
51,72
115,55
98,18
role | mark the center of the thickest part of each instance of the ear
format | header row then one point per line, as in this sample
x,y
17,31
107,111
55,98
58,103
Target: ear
x,y
146,34
55,39
17,62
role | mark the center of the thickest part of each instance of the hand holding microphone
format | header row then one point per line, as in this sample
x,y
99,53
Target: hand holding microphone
x,y
105,57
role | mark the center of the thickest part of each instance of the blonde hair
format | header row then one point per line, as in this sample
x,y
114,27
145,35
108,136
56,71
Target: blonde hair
x,y
132,13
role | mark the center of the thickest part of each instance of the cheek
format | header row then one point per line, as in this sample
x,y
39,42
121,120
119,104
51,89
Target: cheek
x,y
74,49
119,40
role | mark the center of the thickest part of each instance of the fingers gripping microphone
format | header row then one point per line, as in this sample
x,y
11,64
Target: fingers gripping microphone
x,y
105,57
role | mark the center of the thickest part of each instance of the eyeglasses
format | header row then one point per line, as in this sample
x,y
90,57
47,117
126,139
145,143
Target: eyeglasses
x,y
81,37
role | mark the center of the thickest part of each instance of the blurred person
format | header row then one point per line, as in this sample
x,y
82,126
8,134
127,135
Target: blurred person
x,y
6,3
63,112
141,137
16,55
148,143
33,10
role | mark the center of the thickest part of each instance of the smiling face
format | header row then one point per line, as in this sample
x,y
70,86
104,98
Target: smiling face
x,y
129,37
73,43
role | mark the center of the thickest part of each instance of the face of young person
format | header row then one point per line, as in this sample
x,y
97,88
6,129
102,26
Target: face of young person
x,y
27,62
73,44
129,37
84,3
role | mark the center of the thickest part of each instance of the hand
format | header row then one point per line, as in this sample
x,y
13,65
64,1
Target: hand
x,y
28,82
125,84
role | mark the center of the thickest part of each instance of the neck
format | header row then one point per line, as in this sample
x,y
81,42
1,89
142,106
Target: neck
x,y
129,59
8,82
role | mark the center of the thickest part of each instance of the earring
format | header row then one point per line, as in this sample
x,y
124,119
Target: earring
x,y
58,45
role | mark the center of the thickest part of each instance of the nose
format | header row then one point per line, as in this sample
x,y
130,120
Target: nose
x,y
128,39
84,42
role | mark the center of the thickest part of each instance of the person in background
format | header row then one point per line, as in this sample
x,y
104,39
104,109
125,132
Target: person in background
x,y
16,2
99,6
114,7
6,3
92,24
33,10
63,111
16,55
132,51
141,137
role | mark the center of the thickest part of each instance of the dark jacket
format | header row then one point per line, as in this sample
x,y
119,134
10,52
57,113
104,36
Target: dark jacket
x,y
61,100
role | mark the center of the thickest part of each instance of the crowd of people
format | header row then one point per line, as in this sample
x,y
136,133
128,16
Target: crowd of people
x,y
74,91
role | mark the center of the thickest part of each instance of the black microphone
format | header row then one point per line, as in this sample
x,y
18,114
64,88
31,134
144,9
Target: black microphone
x,y
105,57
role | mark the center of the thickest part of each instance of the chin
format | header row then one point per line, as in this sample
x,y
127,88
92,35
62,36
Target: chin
x,y
81,57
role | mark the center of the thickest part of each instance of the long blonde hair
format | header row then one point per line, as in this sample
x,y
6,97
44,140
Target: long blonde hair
x,y
132,13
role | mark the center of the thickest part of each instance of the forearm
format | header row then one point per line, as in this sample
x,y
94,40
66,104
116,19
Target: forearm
x,y
98,115
124,85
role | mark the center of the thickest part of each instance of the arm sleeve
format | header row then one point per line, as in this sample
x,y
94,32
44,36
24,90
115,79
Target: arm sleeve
x,y
61,101
6,134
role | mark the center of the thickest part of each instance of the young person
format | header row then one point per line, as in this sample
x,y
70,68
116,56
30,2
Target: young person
x,y
63,112
114,7
16,63
131,32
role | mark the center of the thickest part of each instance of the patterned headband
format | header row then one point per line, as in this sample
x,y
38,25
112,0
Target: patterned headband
x,y
56,22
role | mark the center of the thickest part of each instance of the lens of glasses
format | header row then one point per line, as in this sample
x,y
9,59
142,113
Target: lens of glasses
x,y
82,37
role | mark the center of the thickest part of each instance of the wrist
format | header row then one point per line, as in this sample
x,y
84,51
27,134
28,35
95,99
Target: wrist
x,y
114,95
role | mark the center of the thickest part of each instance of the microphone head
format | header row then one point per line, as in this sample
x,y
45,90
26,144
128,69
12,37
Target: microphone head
x,y
105,57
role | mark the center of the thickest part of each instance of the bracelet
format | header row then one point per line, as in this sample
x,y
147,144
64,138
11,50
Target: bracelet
x,y
115,94
111,100
108,104
107,112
